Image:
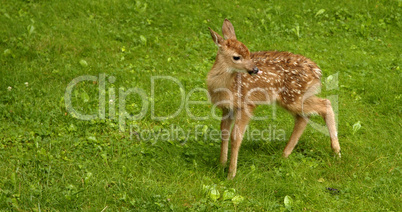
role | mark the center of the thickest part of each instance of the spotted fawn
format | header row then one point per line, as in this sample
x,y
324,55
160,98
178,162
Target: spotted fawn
x,y
240,80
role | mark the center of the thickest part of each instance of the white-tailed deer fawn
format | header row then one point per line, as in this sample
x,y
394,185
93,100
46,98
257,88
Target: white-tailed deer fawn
x,y
240,80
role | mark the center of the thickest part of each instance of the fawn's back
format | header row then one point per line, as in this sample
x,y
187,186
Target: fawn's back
x,y
282,77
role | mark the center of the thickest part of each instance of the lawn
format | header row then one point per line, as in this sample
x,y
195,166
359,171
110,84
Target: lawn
x,y
103,107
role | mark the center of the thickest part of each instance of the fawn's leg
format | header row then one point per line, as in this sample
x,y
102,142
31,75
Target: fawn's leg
x,y
300,125
226,123
329,118
324,109
241,120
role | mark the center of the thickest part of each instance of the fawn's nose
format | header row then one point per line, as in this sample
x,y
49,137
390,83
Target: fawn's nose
x,y
255,70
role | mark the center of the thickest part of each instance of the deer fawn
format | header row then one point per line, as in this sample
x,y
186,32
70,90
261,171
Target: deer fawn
x,y
240,80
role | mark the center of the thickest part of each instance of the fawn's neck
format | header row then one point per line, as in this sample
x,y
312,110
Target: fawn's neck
x,y
220,76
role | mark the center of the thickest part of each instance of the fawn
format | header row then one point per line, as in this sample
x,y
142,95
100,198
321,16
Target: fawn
x,y
240,80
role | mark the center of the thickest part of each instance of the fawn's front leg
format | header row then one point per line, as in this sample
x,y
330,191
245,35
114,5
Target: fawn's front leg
x,y
241,120
226,123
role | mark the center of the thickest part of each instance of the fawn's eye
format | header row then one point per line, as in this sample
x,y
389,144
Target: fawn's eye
x,y
236,58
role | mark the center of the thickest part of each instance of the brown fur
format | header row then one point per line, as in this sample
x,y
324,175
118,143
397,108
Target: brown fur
x,y
288,79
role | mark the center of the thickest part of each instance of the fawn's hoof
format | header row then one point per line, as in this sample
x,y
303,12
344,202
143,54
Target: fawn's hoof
x,y
339,154
231,176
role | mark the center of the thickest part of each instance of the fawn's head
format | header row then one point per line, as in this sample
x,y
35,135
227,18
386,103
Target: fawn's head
x,y
233,54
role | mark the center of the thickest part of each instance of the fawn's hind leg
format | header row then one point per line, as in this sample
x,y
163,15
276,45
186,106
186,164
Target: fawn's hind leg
x,y
300,125
324,109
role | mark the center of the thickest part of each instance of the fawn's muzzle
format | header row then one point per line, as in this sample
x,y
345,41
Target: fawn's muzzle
x,y
254,71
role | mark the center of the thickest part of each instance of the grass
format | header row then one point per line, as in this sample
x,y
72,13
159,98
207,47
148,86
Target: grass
x,y
51,160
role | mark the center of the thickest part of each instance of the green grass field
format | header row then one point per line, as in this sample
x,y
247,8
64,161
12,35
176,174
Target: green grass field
x,y
140,61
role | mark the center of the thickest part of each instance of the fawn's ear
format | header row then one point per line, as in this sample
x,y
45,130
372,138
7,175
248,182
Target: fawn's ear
x,y
228,30
216,37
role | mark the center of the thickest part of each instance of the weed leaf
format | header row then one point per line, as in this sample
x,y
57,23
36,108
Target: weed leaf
x,y
320,12
356,127
288,202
